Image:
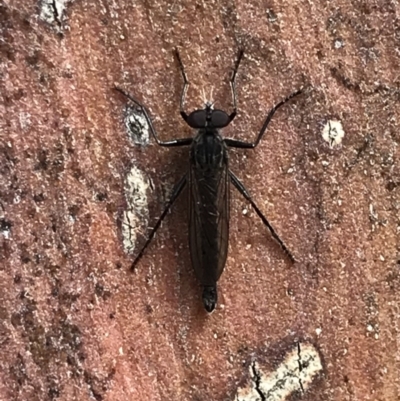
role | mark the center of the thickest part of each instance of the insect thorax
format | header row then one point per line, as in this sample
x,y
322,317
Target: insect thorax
x,y
208,150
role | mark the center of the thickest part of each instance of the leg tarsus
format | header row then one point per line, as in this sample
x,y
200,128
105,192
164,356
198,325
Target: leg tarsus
x,y
185,84
233,83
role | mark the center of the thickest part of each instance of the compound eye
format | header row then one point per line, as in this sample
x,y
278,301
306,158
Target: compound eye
x,y
197,119
219,119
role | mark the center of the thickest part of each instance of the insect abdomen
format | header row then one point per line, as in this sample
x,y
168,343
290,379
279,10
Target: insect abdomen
x,y
209,209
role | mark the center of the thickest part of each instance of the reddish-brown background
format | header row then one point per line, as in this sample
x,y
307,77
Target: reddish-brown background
x,y
75,323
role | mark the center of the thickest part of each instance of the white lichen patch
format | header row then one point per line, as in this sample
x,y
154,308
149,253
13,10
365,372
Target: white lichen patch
x,y
25,121
5,228
53,10
137,126
295,374
136,215
338,43
333,133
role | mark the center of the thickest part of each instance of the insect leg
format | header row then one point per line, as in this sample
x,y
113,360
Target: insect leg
x,y
173,142
241,188
185,85
175,193
233,143
233,84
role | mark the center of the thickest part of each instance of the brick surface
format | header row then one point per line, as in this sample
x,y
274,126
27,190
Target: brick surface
x,y
75,323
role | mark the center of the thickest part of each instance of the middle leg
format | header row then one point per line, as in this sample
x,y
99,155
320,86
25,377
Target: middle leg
x,y
241,188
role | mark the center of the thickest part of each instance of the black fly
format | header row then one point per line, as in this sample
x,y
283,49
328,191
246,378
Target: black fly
x,y
208,179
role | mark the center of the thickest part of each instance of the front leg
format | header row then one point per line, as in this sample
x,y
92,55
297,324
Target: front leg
x,y
172,142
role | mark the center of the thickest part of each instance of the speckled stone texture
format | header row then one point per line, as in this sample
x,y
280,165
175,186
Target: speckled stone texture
x,y
75,323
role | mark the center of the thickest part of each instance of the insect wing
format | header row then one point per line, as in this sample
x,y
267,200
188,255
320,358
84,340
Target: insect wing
x,y
209,222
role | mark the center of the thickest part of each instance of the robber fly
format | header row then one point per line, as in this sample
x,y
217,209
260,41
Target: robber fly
x,y
208,180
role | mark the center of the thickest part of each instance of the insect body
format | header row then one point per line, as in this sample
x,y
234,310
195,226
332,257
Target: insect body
x,y
209,206
208,178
